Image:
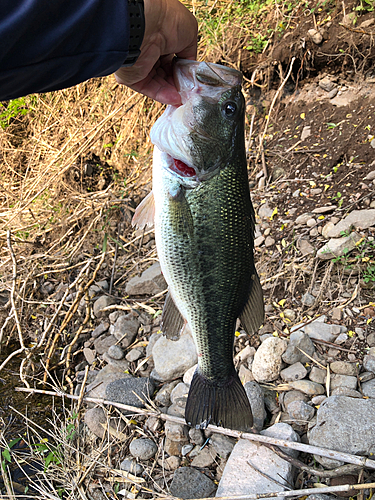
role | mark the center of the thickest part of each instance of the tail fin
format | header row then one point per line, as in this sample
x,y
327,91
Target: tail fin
x,y
223,403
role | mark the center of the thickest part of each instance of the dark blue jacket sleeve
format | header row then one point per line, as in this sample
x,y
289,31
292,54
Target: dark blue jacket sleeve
x,y
53,44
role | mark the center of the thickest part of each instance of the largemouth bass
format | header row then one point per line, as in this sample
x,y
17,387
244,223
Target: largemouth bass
x,y
204,229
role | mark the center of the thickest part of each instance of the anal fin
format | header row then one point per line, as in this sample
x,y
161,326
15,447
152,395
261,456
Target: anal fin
x,y
172,322
144,214
252,316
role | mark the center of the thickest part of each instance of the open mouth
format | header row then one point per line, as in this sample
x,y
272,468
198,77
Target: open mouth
x,y
180,168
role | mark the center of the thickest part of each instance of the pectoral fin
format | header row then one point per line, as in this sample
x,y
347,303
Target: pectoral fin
x,y
144,214
172,322
252,316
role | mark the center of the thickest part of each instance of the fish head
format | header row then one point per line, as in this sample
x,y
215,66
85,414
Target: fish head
x,y
201,134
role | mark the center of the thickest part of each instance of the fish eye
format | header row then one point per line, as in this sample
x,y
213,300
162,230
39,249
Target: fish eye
x,y
229,108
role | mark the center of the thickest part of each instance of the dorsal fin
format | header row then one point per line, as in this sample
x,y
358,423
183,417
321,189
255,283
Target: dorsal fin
x,y
144,214
252,315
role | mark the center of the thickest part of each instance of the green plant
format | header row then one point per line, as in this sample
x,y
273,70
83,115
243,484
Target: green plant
x,y
366,5
13,109
6,456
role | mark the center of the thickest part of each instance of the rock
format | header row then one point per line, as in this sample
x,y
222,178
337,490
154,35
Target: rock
x,y
172,463
315,36
259,241
290,315
306,132
269,241
256,399
318,400
370,176
103,343
89,354
286,432
298,341
307,387
115,352
186,449
366,376
308,300
319,496
205,457
223,445
265,211
326,84
371,339
133,355
176,432
325,231
291,396
102,302
125,329
143,448
173,358
127,390
150,282
368,388
305,247
337,247
343,381
105,376
245,375
177,409
318,375
118,364
333,93
341,339
153,423
240,478
267,360
322,331
103,327
346,391
187,378
187,482
174,448
294,372
369,361
180,391
344,368
130,465
301,411
97,420
302,219
344,424
163,396
311,223
196,436
359,219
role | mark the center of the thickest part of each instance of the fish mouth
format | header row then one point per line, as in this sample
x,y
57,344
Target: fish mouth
x,y
188,175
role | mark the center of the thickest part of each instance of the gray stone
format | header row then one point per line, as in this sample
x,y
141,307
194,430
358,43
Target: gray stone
x,y
176,432
180,391
336,247
326,84
360,219
286,432
102,302
256,399
134,355
104,377
307,387
369,361
290,314
89,354
333,93
346,391
127,390
204,457
186,449
305,247
163,396
370,176
265,211
173,358
294,372
315,36
143,448
150,282
196,436
371,339
151,342
103,343
318,375
97,421
267,360
298,341
302,219
318,400
341,339
125,329
118,364
259,241
343,381
103,327
306,132
171,463
188,376
343,368
366,376
245,375
240,478
177,409
290,396
187,482
344,424
308,300
326,229
115,352
223,445
130,465
368,388
269,241
301,411
322,331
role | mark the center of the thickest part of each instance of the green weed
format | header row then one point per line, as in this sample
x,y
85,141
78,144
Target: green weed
x,y
12,109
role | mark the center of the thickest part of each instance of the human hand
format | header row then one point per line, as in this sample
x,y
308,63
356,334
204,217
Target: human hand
x,y
170,30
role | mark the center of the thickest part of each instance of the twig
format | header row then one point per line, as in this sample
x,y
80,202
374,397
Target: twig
x,y
13,289
315,450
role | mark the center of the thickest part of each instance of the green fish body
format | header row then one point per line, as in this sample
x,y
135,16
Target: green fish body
x,y
204,230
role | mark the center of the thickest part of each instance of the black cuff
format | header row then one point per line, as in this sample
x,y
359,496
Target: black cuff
x,y
137,31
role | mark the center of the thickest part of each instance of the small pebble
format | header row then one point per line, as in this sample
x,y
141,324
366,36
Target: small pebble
x,y
186,449
115,352
133,355
130,465
300,410
143,448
